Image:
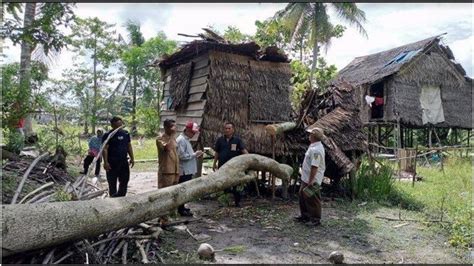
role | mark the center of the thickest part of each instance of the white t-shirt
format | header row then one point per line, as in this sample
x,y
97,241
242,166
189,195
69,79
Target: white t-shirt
x,y
314,156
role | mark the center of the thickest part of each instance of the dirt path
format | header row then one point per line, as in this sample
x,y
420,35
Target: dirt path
x,y
263,232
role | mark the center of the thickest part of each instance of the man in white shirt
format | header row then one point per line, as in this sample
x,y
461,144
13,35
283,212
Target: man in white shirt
x,y
311,178
187,159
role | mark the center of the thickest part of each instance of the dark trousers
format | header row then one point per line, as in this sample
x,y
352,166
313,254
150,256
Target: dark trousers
x,y
236,194
310,207
183,179
120,172
87,162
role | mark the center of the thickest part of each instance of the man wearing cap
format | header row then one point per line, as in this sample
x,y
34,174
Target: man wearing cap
x,y
187,159
94,147
116,162
311,178
168,161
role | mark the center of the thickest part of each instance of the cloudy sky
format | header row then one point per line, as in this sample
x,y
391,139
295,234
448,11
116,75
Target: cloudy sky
x,y
388,25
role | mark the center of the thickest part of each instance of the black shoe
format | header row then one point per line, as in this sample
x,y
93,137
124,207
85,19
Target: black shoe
x,y
313,223
301,219
82,172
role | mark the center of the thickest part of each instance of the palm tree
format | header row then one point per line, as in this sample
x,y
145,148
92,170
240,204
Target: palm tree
x,y
312,20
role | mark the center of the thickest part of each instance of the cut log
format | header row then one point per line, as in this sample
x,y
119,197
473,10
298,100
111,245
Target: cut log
x,y
60,222
277,129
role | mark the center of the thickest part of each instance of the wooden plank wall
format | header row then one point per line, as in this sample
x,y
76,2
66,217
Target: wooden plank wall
x,y
196,102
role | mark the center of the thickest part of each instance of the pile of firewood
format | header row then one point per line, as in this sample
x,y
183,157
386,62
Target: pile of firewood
x,y
47,181
136,244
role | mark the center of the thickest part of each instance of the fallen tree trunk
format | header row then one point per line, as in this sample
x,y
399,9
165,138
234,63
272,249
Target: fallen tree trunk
x,y
32,226
276,129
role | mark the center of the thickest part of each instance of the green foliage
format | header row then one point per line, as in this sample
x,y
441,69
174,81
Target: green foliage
x,y
236,249
225,199
12,95
150,119
62,195
45,28
374,181
301,75
309,25
234,35
141,80
272,33
68,139
15,141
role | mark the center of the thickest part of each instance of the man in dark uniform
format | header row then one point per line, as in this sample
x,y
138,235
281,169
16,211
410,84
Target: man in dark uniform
x,y
115,153
226,148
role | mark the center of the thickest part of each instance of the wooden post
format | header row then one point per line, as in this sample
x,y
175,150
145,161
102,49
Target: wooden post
x,y
199,162
284,192
402,137
441,149
429,138
414,172
271,175
56,129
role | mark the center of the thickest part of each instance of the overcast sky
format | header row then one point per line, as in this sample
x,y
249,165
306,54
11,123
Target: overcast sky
x,y
388,25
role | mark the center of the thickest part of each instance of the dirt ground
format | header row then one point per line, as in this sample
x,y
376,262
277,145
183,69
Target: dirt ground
x,y
264,232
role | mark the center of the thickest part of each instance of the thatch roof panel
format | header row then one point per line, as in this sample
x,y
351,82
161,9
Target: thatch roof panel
x,y
374,67
344,127
198,47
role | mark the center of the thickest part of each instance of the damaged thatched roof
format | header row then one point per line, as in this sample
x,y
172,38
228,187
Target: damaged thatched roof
x,y
216,43
341,124
374,67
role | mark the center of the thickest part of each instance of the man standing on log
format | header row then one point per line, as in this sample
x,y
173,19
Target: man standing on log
x,y
187,159
311,178
168,161
116,163
226,148
94,147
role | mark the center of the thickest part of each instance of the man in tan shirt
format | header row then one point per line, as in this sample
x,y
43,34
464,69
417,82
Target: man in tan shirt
x,y
168,160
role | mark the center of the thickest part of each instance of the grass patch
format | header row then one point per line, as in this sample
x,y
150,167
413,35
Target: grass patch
x,y
235,249
144,150
447,194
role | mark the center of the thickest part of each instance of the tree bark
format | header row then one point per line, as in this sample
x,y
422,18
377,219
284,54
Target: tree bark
x,y
33,226
276,129
94,107
25,68
134,101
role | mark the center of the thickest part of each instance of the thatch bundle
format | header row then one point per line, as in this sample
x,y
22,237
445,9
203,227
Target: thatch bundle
x,y
180,78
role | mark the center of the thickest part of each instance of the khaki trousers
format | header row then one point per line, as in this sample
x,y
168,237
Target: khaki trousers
x,y
166,180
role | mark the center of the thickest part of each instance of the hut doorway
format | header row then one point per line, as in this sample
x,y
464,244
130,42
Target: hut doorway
x,y
376,91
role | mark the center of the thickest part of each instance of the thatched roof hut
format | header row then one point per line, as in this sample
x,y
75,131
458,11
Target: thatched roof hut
x,y
421,85
211,82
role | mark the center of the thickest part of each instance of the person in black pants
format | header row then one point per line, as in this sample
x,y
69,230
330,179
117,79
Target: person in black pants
x,y
116,163
226,148
94,147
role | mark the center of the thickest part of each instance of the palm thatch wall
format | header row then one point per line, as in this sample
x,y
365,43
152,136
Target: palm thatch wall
x,y
250,94
228,83
404,71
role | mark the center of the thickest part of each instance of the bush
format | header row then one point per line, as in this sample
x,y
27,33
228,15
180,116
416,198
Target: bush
x,y
68,139
150,119
15,141
374,181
